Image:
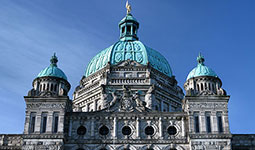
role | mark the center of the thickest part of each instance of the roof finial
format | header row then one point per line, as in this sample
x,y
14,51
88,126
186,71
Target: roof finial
x,y
200,59
54,60
128,6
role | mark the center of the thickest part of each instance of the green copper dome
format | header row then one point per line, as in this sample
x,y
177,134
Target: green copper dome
x,y
201,69
129,50
53,70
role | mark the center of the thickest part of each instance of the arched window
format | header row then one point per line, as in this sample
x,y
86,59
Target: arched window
x,y
205,86
40,89
198,87
202,88
43,86
209,85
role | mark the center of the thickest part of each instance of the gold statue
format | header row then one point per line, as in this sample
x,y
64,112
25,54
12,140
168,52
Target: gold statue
x,y
128,6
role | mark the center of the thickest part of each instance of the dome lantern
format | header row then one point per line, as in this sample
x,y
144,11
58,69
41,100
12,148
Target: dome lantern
x,y
128,26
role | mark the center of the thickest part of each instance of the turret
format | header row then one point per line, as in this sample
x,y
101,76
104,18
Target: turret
x,y
46,105
206,104
50,81
202,80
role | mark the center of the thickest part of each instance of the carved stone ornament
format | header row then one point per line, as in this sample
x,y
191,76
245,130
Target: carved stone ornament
x,y
127,102
217,105
46,105
207,92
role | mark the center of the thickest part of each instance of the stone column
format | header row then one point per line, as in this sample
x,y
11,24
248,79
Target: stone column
x,y
162,105
214,123
49,122
202,122
137,128
38,122
160,128
27,122
70,127
115,130
92,127
61,122
183,127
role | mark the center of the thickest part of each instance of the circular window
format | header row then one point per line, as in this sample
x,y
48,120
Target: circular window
x,y
81,130
126,130
104,130
171,130
149,130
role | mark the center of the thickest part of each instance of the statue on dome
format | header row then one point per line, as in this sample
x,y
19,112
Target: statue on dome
x,y
128,6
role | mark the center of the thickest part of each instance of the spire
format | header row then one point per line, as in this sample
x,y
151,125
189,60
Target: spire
x,y
128,26
54,60
200,59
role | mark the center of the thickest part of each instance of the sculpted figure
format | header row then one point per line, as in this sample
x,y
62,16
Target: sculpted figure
x,y
138,101
149,97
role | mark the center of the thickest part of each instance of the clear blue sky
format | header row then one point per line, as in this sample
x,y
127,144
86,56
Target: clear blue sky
x,y
223,30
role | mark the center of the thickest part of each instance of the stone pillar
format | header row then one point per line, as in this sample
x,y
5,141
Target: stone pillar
x,y
115,128
95,105
183,127
49,122
61,122
70,127
27,122
38,122
137,128
92,127
161,105
202,122
214,123
225,123
160,128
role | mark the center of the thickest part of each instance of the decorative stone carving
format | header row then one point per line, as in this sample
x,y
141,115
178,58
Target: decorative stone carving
x,y
46,105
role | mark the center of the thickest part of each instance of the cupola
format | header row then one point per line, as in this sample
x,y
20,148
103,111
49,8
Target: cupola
x,y
128,26
51,81
202,80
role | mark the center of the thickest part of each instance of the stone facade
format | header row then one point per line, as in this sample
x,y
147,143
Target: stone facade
x,y
127,104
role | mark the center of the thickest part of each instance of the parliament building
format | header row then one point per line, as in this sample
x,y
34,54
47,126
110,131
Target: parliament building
x,y
128,99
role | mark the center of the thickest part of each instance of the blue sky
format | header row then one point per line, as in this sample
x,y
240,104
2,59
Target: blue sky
x,y
31,31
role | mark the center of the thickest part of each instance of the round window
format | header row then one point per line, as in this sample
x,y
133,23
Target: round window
x,y
149,130
103,130
126,130
172,130
81,130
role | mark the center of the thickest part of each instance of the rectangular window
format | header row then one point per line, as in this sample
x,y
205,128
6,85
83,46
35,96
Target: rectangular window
x,y
220,127
134,30
128,29
208,124
32,122
196,123
44,122
55,122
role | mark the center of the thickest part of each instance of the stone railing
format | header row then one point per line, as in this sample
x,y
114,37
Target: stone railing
x,y
11,141
243,141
